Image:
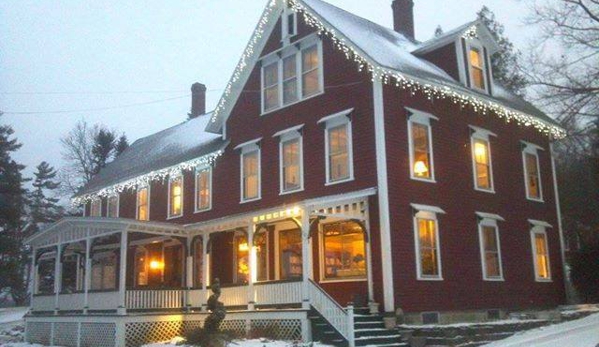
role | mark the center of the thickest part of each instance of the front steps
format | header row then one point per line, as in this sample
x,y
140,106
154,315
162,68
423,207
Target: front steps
x,y
369,330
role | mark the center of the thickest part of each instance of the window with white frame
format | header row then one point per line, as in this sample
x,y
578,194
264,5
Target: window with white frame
x,y
96,208
288,24
338,147
343,251
477,62
291,159
175,197
426,236
250,170
490,247
203,191
421,145
292,74
540,251
532,174
482,164
143,203
112,208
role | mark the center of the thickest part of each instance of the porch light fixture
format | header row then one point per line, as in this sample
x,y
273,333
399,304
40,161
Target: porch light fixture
x,y
420,168
288,213
243,247
156,265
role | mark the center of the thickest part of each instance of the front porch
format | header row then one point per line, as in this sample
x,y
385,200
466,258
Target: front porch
x,y
314,255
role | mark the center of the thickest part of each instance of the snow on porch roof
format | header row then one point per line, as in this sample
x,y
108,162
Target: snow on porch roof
x,y
170,147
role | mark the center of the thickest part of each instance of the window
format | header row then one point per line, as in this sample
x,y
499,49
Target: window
x,y
203,199
344,251
291,159
143,203
46,269
242,269
540,252
142,266
292,74
490,249
426,235
477,68
290,254
73,268
104,270
421,145
261,246
288,24
532,174
96,208
481,159
251,175
338,147
175,200
112,211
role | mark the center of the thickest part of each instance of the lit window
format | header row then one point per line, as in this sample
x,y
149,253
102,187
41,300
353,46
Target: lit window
x,y
532,174
344,251
289,79
477,68
540,254
96,208
203,189
426,229
481,159
421,145
490,249
143,205
290,257
310,74
261,244
113,206
271,86
175,197
251,175
338,150
242,269
291,162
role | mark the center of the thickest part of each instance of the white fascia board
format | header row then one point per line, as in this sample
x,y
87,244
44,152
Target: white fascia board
x,y
248,143
540,223
485,215
427,208
288,130
335,116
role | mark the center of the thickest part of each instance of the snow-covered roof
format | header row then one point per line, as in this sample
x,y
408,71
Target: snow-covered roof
x,y
388,51
164,149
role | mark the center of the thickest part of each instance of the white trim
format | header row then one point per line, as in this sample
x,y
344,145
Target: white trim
x,y
118,205
321,255
296,128
492,216
538,229
289,137
427,208
423,119
248,143
493,224
540,223
246,151
137,201
383,196
170,182
199,170
532,149
472,45
285,35
329,119
433,217
334,123
480,134
560,229
459,48
98,201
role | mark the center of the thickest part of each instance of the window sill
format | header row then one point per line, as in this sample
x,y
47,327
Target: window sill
x,y
249,200
331,183
543,280
325,281
535,200
175,217
494,279
267,112
434,279
291,191
426,180
204,210
489,191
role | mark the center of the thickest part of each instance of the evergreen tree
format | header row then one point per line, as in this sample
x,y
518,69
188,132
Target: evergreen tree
x,y
505,63
103,149
13,256
44,206
121,145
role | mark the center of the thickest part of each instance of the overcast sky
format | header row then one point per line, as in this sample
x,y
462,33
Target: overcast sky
x,y
83,55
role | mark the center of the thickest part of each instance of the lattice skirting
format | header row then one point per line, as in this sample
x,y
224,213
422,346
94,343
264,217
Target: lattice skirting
x,y
67,334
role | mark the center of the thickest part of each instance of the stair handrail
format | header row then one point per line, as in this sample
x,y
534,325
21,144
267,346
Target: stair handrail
x,y
339,318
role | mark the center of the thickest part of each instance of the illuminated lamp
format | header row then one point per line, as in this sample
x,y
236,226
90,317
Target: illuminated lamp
x,y
420,168
156,265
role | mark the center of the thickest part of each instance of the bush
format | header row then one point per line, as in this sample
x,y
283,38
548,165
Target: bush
x,y
584,272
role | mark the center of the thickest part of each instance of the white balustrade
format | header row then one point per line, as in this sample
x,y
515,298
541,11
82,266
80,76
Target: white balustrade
x,y
336,315
42,302
278,293
71,302
233,296
103,300
155,299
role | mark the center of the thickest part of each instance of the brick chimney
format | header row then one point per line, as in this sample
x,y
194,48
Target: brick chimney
x,y
198,100
403,17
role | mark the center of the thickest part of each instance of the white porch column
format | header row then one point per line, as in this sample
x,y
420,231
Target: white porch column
x,y
88,275
252,265
206,272
383,197
122,309
369,262
57,276
306,258
188,274
32,274
560,229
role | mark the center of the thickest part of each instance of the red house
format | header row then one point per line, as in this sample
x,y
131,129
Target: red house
x,y
345,163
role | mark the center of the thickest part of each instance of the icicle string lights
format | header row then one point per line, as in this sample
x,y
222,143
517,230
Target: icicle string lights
x,y
144,180
471,33
389,76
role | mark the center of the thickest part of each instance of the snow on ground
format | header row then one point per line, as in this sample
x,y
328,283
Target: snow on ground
x,y
239,343
579,333
11,315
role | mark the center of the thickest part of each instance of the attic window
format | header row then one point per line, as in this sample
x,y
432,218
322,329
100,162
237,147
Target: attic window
x,y
477,69
288,24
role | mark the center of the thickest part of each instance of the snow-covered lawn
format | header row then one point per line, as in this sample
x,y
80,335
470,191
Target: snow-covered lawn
x,y
11,315
239,343
578,333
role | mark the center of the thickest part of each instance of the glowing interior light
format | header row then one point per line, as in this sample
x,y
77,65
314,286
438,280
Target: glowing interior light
x,y
243,247
156,265
296,211
420,168
480,150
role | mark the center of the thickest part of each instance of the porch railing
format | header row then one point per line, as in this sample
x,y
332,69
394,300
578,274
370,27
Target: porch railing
x,y
340,318
278,293
155,299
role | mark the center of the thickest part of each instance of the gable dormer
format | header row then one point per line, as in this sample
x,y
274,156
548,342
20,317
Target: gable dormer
x,y
465,54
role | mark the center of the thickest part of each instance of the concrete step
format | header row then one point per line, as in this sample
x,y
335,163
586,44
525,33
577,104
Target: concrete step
x,y
378,340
